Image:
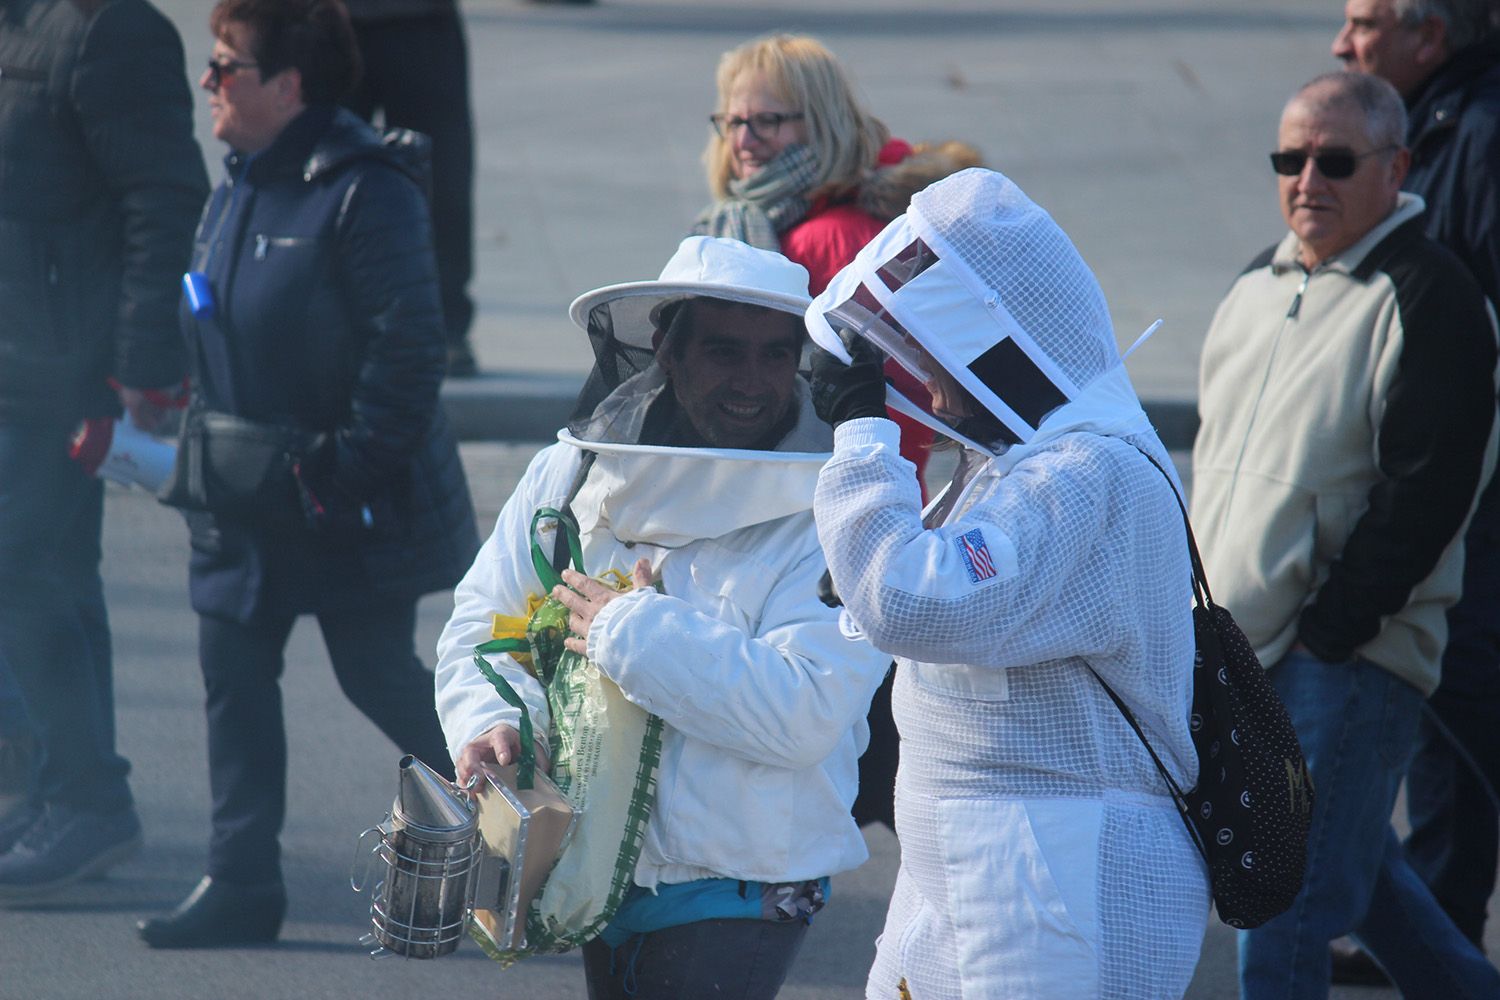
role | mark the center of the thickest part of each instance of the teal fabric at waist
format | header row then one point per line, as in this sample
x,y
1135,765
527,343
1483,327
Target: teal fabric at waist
x,y
713,899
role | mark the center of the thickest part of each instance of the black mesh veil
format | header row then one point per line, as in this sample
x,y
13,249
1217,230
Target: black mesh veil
x,y
615,360
621,334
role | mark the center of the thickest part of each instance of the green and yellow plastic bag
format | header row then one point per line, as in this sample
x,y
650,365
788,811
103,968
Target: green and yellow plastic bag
x,y
605,755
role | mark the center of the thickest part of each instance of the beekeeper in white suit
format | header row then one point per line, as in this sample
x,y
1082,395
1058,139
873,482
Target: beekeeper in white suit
x,y
705,452
1041,855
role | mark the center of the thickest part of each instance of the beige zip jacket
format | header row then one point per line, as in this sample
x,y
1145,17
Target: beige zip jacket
x,y
1348,424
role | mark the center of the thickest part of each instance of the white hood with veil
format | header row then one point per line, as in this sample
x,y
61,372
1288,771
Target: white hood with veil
x,y
1040,854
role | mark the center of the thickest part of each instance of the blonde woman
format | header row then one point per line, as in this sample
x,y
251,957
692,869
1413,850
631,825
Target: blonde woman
x,y
797,164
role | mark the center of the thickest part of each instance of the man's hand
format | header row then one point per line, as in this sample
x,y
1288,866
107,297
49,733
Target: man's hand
x,y
584,596
149,409
843,392
497,745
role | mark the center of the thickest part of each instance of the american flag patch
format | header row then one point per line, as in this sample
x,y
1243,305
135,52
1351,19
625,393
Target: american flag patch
x,y
976,555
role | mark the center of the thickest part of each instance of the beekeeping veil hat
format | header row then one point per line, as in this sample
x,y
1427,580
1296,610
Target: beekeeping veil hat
x,y
624,321
665,494
983,279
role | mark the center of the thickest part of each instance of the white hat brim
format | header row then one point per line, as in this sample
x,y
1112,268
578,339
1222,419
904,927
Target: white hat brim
x,y
656,292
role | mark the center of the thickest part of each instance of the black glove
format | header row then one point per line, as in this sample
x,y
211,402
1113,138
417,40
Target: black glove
x,y
846,392
827,593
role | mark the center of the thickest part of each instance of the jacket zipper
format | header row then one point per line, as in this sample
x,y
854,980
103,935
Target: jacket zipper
x,y
264,243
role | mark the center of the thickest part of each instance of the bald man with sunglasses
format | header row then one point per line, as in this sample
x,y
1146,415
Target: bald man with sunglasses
x,y
1347,398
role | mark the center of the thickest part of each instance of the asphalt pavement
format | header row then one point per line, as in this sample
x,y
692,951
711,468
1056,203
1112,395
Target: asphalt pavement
x,y
1142,125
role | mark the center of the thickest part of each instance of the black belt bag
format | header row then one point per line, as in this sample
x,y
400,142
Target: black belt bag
x,y
229,465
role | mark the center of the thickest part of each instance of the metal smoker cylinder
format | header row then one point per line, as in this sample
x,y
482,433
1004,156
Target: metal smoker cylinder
x,y
431,851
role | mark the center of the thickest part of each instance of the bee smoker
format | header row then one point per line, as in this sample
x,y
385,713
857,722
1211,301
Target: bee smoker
x,y
432,865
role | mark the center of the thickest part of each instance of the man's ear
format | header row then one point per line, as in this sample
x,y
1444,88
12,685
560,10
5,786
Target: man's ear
x,y
1432,45
1400,164
289,87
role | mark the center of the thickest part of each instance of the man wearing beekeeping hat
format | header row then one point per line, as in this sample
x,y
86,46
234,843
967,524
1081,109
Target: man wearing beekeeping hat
x,y
1041,855
690,467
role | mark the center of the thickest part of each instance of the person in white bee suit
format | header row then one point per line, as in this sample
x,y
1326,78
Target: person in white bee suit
x,y
1041,854
705,450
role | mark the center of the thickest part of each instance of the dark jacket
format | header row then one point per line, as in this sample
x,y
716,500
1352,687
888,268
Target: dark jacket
x,y
1454,135
100,184
319,254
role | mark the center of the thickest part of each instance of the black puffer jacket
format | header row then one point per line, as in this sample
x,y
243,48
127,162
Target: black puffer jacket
x,y
100,184
319,254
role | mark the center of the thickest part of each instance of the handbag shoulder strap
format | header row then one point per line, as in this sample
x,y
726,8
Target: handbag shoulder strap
x,y
1200,579
1203,599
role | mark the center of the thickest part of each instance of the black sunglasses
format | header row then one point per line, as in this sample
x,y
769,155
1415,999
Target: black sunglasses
x,y
1334,164
218,69
762,124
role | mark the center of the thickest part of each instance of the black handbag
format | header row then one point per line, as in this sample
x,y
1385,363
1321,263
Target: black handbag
x,y
227,464
1249,812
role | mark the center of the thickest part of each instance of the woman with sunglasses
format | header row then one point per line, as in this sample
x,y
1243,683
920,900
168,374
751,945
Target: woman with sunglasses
x,y
316,311
797,164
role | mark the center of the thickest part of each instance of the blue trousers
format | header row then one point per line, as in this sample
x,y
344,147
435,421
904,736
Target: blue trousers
x,y
54,633
1357,723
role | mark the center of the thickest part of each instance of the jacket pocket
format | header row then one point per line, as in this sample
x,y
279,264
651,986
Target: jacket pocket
x,y
1022,894
1334,520
957,680
28,292
266,245
14,73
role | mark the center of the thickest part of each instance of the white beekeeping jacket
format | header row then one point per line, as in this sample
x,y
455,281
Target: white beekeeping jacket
x,y
763,696
1064,550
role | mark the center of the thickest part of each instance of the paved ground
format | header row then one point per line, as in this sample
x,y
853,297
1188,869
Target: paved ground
x,y
82,945
1141,124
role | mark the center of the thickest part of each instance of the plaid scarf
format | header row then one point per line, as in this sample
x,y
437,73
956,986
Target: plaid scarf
x,y
765,205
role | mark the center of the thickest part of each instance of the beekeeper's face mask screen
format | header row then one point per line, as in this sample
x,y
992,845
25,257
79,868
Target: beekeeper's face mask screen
x,y
862,314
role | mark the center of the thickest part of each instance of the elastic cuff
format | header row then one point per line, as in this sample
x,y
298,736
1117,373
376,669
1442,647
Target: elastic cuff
x,y
867,432
598,637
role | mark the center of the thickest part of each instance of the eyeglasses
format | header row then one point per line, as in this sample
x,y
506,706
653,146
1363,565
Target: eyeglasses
x,y
762,124
218,69
1334,164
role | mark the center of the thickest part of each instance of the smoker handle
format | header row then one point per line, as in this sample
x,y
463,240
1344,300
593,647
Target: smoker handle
x,y
359,868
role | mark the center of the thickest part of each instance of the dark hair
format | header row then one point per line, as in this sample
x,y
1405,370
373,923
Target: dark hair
x,y
675,321
313,37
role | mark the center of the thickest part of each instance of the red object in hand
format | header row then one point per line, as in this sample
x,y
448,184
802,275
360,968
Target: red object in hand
x,y
91,444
